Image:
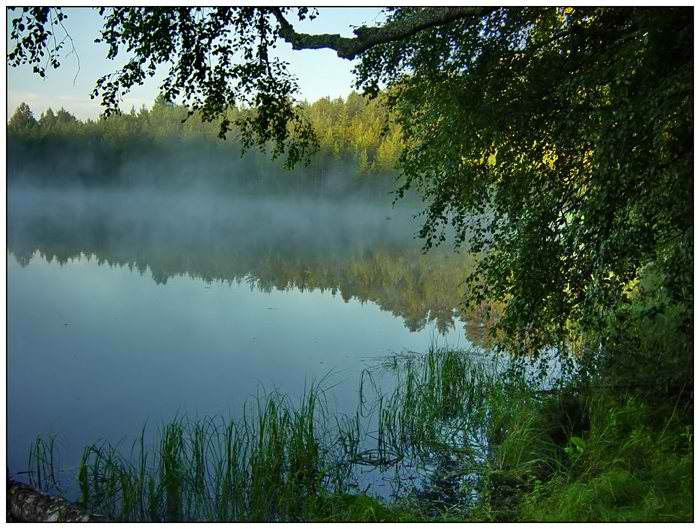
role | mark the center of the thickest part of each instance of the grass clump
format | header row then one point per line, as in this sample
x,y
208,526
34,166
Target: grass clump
x,y
634,464
462,438
262,467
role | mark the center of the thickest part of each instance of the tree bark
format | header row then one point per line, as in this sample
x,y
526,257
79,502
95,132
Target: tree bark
x,y
368,37
25,504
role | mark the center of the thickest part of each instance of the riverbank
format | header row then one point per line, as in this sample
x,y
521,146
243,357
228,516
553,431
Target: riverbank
x,y
476,440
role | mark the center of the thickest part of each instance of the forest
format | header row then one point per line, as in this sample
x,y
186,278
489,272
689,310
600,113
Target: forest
x,y
357,151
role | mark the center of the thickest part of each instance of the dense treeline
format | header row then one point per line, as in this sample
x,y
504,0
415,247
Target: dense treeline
x,y
159,146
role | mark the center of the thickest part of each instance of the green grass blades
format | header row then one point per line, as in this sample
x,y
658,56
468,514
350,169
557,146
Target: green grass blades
x,y
460,437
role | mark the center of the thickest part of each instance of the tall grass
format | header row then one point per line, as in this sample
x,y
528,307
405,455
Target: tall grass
x,y
634,463
467,439
262,467
43,463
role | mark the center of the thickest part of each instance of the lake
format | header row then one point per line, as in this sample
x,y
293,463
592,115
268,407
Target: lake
x,y
129,308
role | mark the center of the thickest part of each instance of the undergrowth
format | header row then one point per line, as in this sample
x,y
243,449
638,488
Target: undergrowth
x,y
486,444
635,463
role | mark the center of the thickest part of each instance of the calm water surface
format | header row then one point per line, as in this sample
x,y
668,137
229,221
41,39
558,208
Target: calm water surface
x,y
126,308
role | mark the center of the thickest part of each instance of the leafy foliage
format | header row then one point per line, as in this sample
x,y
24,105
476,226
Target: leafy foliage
x,y
218,59
35,32
560,140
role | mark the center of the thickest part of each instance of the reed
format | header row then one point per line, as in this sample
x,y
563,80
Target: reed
x,y
473,439
43,463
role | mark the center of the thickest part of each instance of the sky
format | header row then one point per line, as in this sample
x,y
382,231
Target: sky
x,y
320,72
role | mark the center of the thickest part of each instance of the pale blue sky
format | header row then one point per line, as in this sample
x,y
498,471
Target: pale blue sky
x,y
320,72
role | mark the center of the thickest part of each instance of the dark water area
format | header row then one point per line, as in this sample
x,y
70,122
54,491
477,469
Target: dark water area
x,y
129,308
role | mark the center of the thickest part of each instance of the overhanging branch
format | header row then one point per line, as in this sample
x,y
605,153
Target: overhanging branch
x,y
368,37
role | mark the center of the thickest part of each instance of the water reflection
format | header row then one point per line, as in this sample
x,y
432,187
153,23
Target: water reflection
x,y
125,308
358,251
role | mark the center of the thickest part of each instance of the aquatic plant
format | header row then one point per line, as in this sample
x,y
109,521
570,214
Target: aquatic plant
x,y
463,437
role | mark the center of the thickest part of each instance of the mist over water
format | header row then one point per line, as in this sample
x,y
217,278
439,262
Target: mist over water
x,y
176,218
368,251
129,306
